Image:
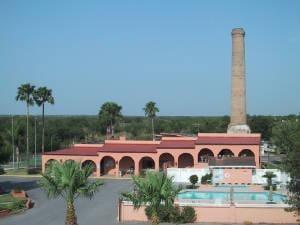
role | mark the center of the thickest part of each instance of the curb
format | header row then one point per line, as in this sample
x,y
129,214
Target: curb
x,y
25,176
39,176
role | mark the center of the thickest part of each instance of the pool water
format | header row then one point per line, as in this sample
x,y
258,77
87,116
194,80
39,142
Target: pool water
x,y
225,196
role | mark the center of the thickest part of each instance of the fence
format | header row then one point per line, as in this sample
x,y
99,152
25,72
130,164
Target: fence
x,y
182,175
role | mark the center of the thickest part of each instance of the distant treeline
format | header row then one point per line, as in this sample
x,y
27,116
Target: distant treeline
x,y
63,131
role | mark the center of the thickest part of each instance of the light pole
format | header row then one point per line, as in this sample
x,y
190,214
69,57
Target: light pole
x,y
35,142
13,140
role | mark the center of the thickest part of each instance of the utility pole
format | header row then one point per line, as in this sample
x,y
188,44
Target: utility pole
x,y
13,140
51,143
35,142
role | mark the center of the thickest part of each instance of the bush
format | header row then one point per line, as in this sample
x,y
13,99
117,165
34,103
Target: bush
x,y
206,179
174,214
33,170
165,213
194,180
17,205
188,215
2,171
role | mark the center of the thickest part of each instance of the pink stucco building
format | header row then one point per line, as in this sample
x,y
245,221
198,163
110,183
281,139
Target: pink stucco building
x,y
236,154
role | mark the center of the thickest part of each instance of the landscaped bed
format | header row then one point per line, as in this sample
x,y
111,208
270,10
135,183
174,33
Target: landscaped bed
x,y
10,204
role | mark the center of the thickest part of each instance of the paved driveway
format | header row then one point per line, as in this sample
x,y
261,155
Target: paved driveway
x,y
101,210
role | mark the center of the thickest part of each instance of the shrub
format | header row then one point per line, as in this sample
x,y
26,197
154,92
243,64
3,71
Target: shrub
x,y
165,214
15,205
174,214
33,170
188,215
2,171
248,223
194,180
206,179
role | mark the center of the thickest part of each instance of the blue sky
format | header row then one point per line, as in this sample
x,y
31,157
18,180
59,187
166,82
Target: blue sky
x,y
176,53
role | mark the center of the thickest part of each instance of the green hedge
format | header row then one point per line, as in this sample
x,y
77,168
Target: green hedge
x,y
173,214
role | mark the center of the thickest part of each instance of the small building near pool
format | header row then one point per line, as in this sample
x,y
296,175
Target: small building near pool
x,y
234,154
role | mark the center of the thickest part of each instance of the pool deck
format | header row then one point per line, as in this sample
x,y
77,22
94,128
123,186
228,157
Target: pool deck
x,y
252,188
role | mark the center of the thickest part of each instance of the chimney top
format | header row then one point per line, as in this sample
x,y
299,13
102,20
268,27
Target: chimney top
x,y
238,31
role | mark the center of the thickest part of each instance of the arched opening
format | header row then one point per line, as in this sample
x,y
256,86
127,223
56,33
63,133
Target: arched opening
x,y
107,166
225,153
69,160
146,163
185,160
166,160
126,166
49,163
89,163
204,155
246,153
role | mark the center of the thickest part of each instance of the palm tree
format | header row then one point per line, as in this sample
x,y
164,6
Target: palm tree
x,y
269,176
154,189
41,96
150,111
110,113
25,92
70,182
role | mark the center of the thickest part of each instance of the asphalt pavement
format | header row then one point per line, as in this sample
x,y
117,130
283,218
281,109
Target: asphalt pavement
x,y
101,210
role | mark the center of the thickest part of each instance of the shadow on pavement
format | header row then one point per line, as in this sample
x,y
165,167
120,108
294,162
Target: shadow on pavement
x,y
25,185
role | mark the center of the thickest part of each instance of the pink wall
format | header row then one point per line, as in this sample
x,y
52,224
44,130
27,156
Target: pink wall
x,y
237,176
128,213
222,214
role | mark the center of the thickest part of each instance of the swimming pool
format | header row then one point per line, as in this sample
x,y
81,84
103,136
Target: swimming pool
x,y
257,197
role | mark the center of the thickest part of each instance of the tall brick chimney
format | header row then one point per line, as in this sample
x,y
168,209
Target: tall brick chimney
x,y
238,119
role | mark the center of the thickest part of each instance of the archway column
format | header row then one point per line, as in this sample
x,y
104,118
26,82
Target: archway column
x,y
195,156
156,165
98,168
136,167
117,168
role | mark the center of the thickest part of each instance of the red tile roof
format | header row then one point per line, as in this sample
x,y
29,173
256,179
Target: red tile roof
x,y
166,144
228,140
84,151
133,148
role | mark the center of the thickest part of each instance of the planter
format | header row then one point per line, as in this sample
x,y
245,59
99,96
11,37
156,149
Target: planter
x,y
18,194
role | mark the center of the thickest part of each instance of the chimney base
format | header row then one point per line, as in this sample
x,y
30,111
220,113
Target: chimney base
x,y
239,129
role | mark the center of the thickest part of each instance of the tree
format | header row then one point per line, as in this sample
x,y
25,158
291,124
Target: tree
x,y
150,111
41,96
194,180
109,114
286,136
154,189
269,176
70,182
25,93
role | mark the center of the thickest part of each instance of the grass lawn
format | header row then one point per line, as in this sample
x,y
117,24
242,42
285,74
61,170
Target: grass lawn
x,y
22,171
